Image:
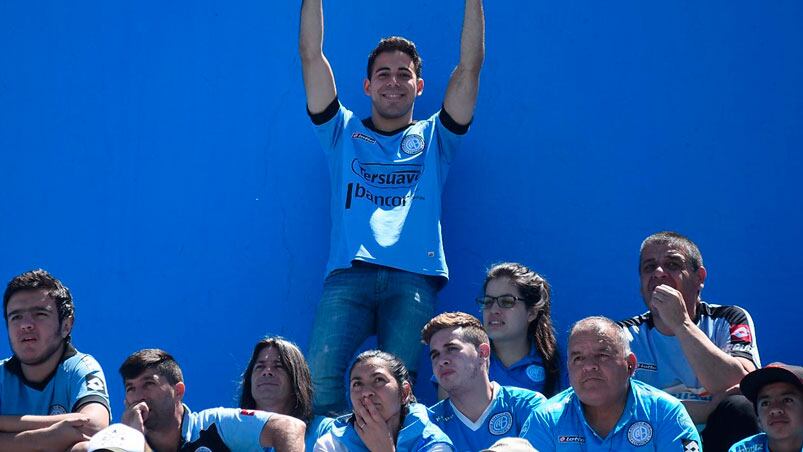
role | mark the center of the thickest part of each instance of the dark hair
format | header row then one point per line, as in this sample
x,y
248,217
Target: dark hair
x,y
394,365
472,330
393,44
536,293
674,239
151,358
41,280
297,370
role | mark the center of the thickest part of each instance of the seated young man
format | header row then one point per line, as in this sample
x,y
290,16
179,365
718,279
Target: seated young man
x,y
777,394
477,411
52,397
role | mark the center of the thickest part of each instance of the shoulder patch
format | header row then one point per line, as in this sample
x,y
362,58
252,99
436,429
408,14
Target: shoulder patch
x,y
500,423
95,383
741,333
639,433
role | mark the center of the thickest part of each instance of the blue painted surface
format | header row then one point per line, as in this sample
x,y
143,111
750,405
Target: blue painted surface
x,y
158,159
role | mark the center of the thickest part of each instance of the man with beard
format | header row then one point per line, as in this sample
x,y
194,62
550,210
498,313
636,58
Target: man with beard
x,y
477,411
695,351
154,390
387,173
52,397
604,409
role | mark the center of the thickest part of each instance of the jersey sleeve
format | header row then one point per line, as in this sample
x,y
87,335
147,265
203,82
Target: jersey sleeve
x,y
676,430
741,342
330,125
88,385
449,135
537,430
241,429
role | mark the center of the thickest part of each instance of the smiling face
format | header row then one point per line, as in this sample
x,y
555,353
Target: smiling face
x,y
506,324
599,369
663,264
780,411
372,382
393,87
34,330
270,383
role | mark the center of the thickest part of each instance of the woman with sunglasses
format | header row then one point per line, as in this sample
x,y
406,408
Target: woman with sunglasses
x,y
386,416
516,314
277,379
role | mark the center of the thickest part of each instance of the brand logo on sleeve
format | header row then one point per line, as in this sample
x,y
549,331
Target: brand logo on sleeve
x,y
690,445
363,137
640,433
95,383
647,366
500,423
741,333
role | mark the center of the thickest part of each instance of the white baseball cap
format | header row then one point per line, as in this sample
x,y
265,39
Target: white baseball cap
x,y
117,438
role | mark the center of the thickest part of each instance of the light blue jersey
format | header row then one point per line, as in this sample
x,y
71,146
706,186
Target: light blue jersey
x,y
386,191
417,434
78,380
504,417
755,443
662,363
652,420
222,429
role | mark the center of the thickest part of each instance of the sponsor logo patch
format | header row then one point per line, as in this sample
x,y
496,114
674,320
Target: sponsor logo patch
x,y
647,366
741,333
384,175
57,409
247,412
639,433
363,137
572,439
690,445
95,383
500,423
412,144
535,373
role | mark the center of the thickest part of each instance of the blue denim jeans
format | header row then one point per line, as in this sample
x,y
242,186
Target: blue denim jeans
x,y
358,302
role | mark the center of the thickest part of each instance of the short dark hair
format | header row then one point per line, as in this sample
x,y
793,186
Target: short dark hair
x,y
674,239
472,331
41,280
393,44
297,370
151,358
393,364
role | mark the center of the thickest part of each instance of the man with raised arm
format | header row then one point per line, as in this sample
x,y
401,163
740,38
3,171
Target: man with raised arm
x,y
52,397
154,394
695,351
477,412
386,261
605,409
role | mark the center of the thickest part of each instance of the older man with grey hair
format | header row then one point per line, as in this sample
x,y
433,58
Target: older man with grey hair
x,y
605,409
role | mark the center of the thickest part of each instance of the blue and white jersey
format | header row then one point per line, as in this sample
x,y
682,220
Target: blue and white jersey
x,y
651,420
417,434
78,380
661,362
504,417
755,443
386,190
222,429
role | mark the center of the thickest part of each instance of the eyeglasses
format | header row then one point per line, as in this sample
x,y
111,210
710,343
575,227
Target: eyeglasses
x,y
504,301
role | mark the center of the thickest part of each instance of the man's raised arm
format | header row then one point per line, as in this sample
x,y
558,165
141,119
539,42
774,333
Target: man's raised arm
x,y
319,82
461,94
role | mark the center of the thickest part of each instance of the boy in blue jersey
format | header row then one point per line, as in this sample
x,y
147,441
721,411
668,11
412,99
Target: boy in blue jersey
x,y
695,351
386,262
777,394
52,397
477,411
604,409
154,390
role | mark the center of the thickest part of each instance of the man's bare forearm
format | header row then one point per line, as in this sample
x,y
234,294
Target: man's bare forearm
x,y
461,93
319,82
715,369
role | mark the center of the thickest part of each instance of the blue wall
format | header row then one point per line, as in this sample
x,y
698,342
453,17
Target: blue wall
x,y
156,156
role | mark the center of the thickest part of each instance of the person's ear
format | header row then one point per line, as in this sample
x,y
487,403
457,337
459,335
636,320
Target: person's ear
x,y
485,350
366,87
419,87
631,364
66,327
407,391
179,389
